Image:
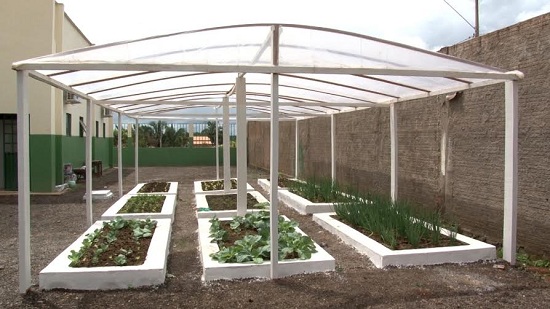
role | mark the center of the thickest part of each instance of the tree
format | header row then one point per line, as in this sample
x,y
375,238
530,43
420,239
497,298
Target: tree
x,y
155,137
210,131
124,136
182,138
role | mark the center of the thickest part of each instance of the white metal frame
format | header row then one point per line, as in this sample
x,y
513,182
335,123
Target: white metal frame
x,y
278,106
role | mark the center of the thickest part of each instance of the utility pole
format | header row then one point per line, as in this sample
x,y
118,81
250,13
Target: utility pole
x,y
476,34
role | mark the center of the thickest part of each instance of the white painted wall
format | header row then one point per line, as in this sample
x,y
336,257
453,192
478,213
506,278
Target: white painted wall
x,y
26,31
30,28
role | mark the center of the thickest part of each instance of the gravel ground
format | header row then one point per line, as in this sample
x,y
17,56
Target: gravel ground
x,y
56,221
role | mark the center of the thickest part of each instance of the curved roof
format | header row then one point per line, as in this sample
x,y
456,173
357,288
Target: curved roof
x,y
321,71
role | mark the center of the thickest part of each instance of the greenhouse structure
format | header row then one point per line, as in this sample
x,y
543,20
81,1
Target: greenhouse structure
x,y
257,71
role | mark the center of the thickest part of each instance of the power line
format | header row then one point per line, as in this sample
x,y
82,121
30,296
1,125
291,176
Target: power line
x,y
459,14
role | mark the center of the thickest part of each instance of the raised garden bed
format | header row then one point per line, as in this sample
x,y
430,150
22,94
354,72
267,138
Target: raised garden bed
x,y
301,204
225,206
150,187
216,186
282,183
381,256
166,212
320,261
58,274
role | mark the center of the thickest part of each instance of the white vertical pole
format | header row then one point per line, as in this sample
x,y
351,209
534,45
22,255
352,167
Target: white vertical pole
x,y
120,192
136,152
296,151
89,136
274,159
217,149
23,182
394,152
241,146
226,144
332,147
510,171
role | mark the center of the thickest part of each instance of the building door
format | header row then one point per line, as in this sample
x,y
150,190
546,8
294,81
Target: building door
x,y
9,136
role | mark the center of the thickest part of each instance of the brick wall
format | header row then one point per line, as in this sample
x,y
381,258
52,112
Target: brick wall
x,y
451,153
259,148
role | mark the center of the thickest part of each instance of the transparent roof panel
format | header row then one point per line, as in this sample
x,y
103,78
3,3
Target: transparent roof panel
x,y
195,67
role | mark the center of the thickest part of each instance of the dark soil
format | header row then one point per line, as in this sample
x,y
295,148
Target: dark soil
x,y
124,240
228,201
56,221
217,185
155,187
143,204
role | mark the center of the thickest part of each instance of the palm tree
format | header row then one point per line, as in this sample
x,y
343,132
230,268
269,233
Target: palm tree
x,y
210,131
158,128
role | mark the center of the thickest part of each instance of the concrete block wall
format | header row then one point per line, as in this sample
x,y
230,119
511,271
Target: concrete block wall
x,y
451,153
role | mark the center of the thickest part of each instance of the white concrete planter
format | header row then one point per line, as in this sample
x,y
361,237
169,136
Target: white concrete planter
x,y
173,189
167,211
58,274
302,205
198,188
200,202
320,261
382,256
266,184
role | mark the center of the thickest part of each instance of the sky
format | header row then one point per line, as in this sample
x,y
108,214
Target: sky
x,y
429,24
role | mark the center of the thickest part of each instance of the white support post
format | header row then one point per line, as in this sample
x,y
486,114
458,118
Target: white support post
x,y
89,136
119,150
217,149
394,152
510,172
274,159
240,86
136,152
226,144
296,150
23,182
332,147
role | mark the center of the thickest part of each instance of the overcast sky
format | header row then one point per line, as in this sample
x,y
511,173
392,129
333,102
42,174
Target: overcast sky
x,y
427,24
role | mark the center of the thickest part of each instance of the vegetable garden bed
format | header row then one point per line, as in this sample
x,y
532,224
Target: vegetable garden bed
x,y
283,183
166,212
167,188
227,209
381,256
58,274
302,205
216,186
320,261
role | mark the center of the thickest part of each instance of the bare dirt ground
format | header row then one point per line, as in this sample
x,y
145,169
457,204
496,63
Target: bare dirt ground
x,y
56,221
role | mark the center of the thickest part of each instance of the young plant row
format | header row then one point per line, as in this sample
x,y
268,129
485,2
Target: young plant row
x,y
318,191
155,186
396,223
119,242
254,245
146,203
217,185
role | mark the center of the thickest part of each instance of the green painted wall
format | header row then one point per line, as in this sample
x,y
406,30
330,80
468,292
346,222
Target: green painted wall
x,y
48,154
103,150
173,156
42,157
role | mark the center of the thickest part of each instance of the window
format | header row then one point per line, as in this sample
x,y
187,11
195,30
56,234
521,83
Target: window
x,y
104,130
81,126
68,124
97,128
